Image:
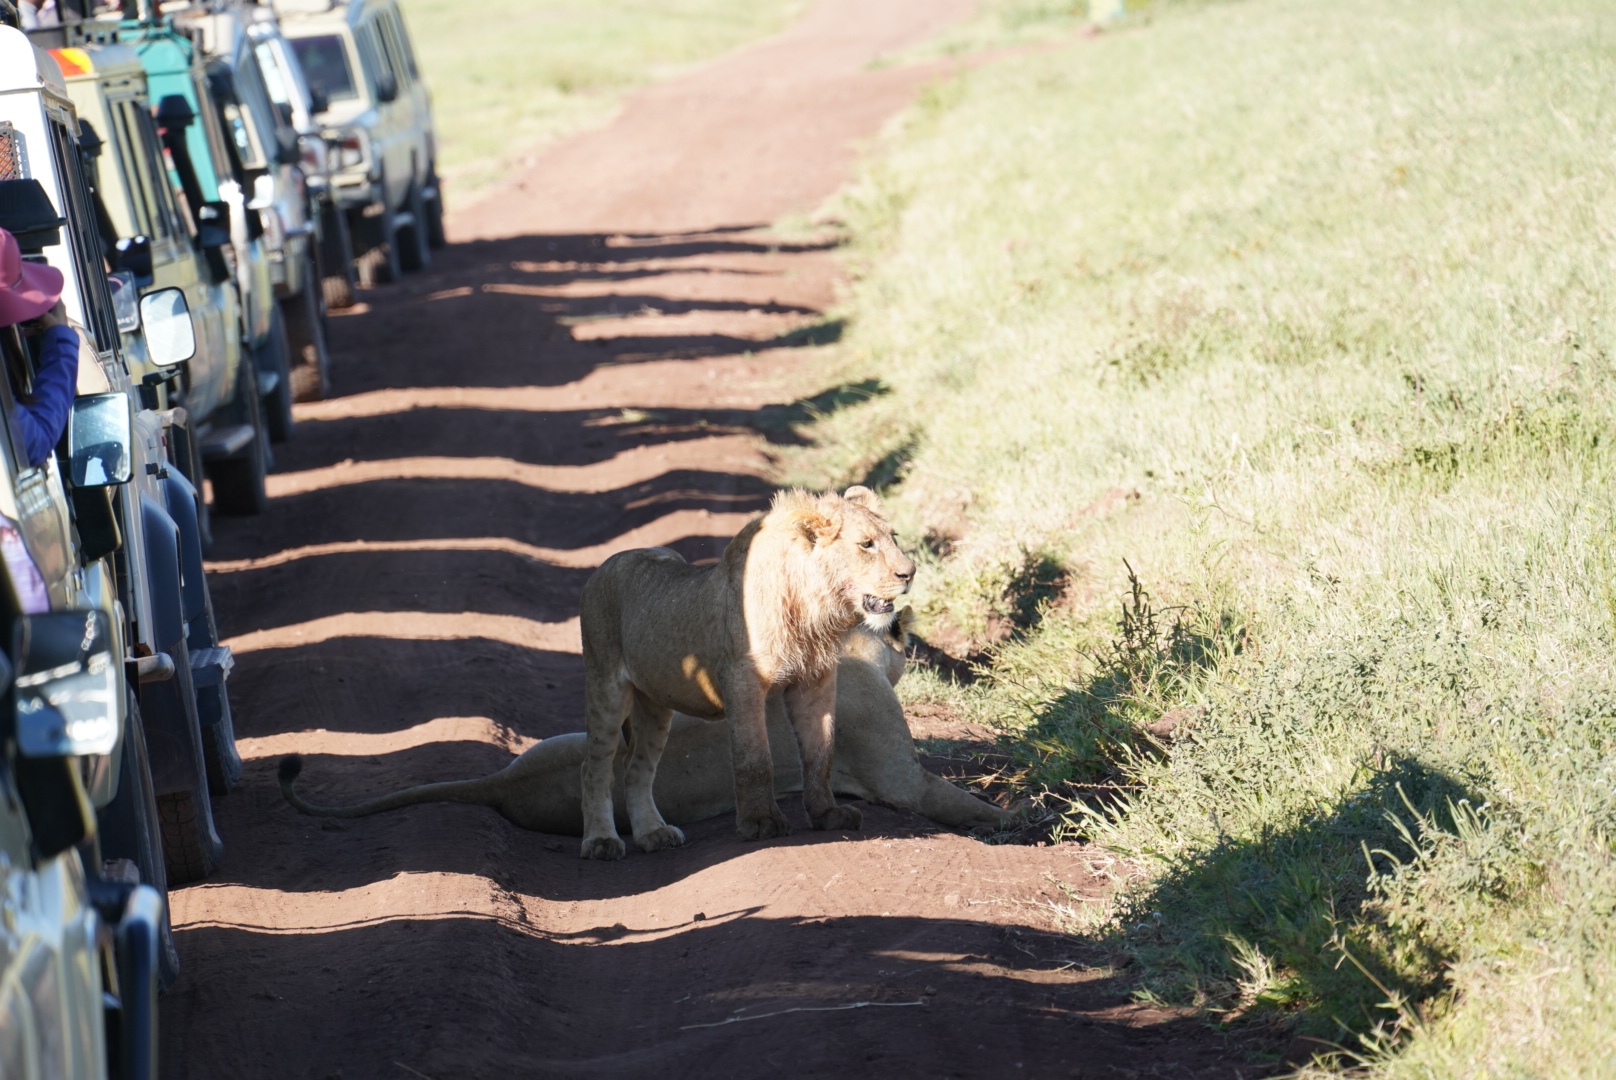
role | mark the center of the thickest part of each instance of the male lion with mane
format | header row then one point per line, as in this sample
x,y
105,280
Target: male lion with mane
x,y
767,621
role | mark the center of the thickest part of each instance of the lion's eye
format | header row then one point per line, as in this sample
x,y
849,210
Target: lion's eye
x,y
868,545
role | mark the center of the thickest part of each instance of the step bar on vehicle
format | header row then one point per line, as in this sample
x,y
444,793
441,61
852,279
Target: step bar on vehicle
x,y
227,442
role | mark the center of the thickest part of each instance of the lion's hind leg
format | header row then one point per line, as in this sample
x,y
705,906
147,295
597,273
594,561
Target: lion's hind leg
x,y
648,726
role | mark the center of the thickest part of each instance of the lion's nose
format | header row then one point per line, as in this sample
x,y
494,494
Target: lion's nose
x,y
905,576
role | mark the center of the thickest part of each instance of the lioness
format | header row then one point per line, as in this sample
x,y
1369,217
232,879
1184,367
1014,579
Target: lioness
x,y
766,621
875,760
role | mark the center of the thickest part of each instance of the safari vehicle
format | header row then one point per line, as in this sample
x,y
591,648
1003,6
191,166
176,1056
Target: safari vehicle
x,y
154,242
80,947
357,55
119,532
254,95
196,108
302,108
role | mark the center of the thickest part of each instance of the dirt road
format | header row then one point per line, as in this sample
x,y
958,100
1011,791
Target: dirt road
x,y
596,363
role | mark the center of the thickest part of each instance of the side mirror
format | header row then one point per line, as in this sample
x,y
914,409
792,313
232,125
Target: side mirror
x,y
67,684
121,284
99,434
319,101
386,87
170,334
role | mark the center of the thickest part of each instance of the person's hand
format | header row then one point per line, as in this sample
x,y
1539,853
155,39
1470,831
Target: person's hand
x,y
56,316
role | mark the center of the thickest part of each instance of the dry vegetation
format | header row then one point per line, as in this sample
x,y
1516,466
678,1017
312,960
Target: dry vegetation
x,y
1329,287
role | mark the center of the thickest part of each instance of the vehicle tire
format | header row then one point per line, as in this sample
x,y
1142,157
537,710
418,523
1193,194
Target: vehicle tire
x,y
130,829
338,279
413,251
276,355
435,236
305,334
186,851
378,261
238,482
219,755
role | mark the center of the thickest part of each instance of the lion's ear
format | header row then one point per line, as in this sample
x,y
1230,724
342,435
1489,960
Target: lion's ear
x,y
863,496
823,523
811,517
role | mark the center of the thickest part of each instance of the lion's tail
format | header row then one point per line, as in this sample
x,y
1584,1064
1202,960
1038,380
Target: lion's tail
x,y
467,791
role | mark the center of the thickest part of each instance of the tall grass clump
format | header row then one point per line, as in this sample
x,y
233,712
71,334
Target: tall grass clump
x,y
508,76
1274,339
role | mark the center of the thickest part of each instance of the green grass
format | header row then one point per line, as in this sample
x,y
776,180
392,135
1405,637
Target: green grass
x,y
511,75
1330,287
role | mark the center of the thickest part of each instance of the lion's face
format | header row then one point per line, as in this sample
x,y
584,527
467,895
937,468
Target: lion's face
x,y
865,562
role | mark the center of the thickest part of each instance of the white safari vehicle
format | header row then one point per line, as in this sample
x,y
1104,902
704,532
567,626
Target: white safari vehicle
x,y
356,57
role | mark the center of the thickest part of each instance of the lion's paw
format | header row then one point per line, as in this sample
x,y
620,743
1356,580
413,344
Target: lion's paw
x,y
664,836
602,847
763,826
839,817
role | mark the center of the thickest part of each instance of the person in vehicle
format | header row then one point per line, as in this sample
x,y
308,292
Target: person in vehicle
x,y
31,299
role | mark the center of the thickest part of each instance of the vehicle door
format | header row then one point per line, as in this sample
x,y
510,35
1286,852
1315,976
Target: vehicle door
x,y
279,196
234,187
413,104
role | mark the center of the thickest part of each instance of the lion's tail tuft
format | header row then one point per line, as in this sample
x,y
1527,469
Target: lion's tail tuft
x,y
291,768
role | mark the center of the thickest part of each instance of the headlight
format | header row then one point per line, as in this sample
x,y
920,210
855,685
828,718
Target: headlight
x,y
348,146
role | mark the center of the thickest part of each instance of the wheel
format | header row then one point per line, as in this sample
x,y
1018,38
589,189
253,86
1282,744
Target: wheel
x,y
413,251
187,850
435,236
337,277
305,334
238,482
276,355
219,745
377,255
130,829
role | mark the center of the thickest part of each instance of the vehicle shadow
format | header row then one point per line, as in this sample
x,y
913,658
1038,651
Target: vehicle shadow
x,y
747,995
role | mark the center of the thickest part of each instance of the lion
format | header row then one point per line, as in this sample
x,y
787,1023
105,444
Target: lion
x,y
874,761
766,622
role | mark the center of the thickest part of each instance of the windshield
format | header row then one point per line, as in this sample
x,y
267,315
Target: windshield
x,y
325,66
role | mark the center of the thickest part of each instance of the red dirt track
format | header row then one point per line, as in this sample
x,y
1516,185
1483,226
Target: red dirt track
x,y
599,361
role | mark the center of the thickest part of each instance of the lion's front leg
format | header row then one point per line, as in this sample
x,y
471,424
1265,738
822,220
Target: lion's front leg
x,y
606,705
812,708
648,725
757,815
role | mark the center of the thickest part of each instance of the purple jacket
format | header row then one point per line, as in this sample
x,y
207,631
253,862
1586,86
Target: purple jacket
x,y
42,420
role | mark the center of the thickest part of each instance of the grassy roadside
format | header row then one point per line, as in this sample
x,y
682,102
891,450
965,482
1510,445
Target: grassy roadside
x,y
508,76
1305,312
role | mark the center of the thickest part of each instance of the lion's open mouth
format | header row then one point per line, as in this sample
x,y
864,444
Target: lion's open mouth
x,y
877,606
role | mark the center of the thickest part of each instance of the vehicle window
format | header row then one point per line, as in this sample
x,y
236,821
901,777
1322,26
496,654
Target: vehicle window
x,y
371,53
387,31
238,120
150,151
404,44
325,66
89,263
275,80
221,149
147,209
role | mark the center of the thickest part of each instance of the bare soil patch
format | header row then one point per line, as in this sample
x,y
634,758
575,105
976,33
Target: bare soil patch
x,y
595,363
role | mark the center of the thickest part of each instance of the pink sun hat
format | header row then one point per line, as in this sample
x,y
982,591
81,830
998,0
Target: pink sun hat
x,y
27,289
